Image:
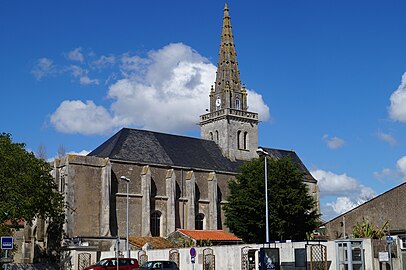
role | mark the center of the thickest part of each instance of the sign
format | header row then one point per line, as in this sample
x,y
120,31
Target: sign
x,y
192,259
6,260
269,259
389,239
383,256
192,252
6,242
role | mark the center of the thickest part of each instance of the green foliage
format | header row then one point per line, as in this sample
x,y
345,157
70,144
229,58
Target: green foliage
x,y
291,209
365,229
27,190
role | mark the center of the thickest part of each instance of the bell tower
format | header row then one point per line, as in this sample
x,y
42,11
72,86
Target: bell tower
x,y
229,123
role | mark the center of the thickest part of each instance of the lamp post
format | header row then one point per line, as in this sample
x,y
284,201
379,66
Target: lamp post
x,y
262,152
127,180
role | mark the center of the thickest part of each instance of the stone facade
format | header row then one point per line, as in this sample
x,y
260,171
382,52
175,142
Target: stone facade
x,y
96,197
236,132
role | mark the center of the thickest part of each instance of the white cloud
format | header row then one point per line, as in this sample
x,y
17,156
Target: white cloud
x,y
386,173
104,61
82,74
341,205
86,80
85,118
166,91
386,138
397,108
80,153
257,104
393,174
342,191
133,67
334,142
42,68
76,55
401,167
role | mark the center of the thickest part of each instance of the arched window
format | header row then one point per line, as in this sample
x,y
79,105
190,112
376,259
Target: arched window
x,y
217,136
211,135
156,223
245,140
239,139
199,222
237,104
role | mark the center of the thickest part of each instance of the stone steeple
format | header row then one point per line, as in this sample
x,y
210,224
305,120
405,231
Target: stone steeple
x,y
227,91
228,122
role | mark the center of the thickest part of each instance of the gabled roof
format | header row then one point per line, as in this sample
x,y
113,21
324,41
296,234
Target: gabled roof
x,y
150,147
212,235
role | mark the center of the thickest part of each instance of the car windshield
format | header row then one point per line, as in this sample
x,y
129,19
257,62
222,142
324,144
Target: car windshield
x,y
152,265
102,262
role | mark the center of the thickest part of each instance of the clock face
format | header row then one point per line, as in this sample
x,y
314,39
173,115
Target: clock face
x,y
218,102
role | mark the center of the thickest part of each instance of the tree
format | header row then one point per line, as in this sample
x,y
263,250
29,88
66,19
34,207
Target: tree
x,y
292,211
27,189
42,152
366,230
61,151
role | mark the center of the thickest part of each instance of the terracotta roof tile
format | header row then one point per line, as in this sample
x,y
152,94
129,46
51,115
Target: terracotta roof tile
x,y
156,242
213,235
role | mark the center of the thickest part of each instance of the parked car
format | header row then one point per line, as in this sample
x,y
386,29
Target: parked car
x,y
111,264
161,265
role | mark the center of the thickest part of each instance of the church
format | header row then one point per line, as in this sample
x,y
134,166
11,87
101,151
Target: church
x,y
169,181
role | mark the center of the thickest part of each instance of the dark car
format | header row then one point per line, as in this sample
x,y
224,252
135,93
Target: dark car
x,y
161,265
111,264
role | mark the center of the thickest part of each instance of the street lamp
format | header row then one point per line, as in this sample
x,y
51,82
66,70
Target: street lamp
x,y
262,152
127,180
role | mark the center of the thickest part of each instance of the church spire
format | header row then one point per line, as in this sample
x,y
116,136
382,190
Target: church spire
x,y
227,90
229,123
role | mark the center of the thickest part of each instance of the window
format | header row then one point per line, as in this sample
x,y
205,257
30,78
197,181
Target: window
x,y
199,222
402,241
245,140
211,135
239,139
156,223
62,184
237,104
217,136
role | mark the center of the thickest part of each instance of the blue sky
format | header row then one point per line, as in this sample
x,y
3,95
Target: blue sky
x,y
325,76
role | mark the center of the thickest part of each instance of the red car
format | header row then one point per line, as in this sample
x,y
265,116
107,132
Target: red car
x,y
111,264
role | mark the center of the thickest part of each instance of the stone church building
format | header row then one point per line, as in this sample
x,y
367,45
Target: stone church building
x,y
175,182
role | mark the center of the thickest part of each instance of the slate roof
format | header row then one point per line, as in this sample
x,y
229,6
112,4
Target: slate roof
x,y
278,154
212,235
148,147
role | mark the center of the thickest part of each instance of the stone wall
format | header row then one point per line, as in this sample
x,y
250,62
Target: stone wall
x,y
96,198
389,206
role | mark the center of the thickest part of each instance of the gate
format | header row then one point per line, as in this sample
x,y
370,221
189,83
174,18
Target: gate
x,y
244,257
174,256
317,254
142,257
208,259
83,260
